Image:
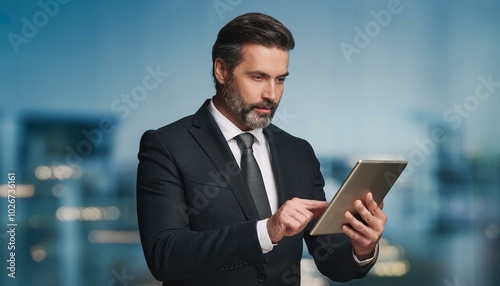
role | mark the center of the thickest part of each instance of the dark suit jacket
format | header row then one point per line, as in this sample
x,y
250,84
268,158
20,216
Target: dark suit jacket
x,y
197,219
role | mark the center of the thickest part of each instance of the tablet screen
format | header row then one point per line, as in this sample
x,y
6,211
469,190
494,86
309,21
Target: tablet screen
x,y
376,176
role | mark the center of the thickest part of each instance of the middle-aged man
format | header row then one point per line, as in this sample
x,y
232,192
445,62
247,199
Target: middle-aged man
x,y
226,198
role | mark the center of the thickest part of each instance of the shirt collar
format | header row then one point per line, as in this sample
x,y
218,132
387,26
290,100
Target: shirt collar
x,y
229,130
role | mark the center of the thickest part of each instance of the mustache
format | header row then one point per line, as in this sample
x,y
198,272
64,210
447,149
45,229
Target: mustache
x,y
264,104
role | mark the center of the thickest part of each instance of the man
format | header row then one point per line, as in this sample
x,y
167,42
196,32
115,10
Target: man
x,y
213,209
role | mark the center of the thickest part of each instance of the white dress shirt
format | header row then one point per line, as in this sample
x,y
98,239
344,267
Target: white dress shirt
x,y
262,155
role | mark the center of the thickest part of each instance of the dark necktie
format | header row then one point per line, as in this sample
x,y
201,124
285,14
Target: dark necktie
x,y
251,172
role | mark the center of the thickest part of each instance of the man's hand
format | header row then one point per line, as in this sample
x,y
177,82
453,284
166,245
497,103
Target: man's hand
x,y
365,234
293,216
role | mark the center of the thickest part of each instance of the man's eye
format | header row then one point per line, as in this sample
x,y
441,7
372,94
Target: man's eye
x,y
281,79
258,77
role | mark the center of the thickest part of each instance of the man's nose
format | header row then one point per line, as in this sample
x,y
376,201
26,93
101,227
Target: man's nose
x,y
270,92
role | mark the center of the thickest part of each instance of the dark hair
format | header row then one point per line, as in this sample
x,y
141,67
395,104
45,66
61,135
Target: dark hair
x,y
251,28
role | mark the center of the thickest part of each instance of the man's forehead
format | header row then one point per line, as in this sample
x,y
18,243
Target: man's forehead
x,y
255,46
260,57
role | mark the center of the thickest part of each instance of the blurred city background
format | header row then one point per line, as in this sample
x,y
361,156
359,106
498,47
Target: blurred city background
x,y
80,81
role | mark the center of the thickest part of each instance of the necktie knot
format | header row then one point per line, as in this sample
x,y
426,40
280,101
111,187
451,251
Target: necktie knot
x,y
245,141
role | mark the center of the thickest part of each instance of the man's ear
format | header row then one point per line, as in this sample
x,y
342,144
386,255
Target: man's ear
x,y
220,71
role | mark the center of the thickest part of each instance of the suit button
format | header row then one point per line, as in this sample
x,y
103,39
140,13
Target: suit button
x,y
261,278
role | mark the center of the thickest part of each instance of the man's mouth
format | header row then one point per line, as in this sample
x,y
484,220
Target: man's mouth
x,y
263,109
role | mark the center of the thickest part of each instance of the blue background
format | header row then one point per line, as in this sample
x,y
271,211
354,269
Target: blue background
x,y
419,80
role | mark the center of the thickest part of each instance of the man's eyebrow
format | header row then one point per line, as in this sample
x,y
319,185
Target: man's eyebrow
x,y
266,74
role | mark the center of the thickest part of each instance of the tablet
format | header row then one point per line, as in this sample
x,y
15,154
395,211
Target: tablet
x,y
376,176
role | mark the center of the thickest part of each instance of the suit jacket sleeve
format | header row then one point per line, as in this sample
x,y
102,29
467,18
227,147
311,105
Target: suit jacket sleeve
x,y
332,253
169,242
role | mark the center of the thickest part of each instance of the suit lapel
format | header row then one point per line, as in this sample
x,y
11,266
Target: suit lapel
x,y
278,159
210,138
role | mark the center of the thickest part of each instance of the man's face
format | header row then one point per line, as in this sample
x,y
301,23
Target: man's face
x,y
252,92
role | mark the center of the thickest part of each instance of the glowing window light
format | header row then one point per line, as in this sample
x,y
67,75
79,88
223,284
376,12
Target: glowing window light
x,y
111,213
309,274
68,214
389,252
21,191
90,213
77,171
114,236
391,262
400,268
391,268
38,253
60,172
43,172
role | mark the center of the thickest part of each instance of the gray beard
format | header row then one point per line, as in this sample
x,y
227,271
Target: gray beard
x,y
244,111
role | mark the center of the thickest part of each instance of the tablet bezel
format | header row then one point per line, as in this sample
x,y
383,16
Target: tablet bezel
x,y
376,176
